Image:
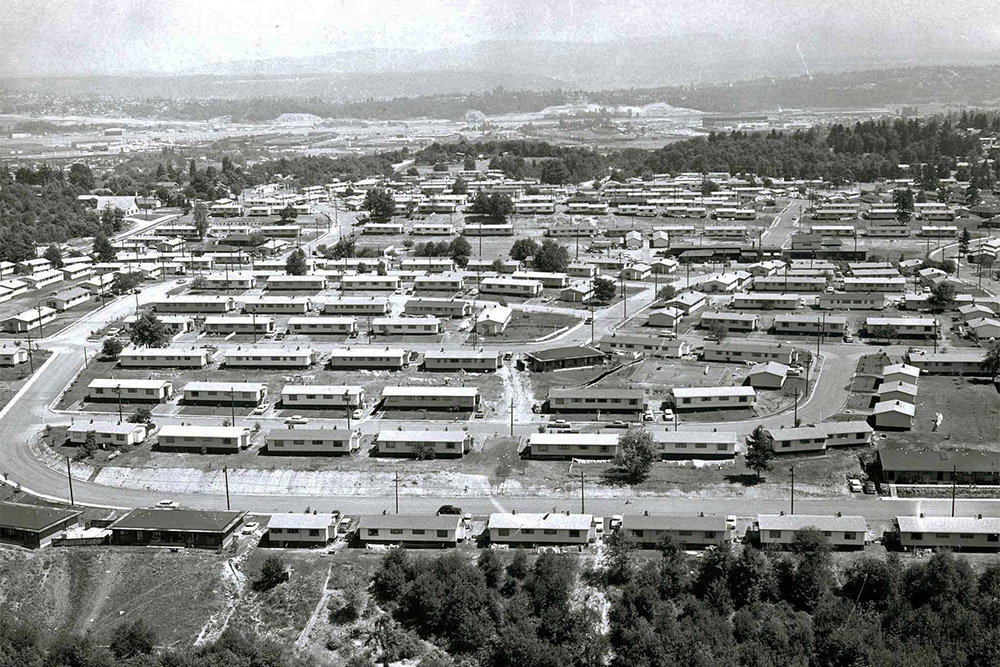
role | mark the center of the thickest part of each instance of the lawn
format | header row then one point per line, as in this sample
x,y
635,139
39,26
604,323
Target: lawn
x,y
528,326
13,378
971,411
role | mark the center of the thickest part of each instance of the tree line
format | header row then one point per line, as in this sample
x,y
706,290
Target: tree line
x,y
751,609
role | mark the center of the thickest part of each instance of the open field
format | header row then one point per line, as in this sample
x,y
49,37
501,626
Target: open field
x,y
971,411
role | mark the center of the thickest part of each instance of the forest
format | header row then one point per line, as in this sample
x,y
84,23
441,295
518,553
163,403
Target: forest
x,y
839,154
802,608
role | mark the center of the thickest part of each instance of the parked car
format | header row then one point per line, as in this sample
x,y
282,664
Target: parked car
x,y
449,509
167,505
297,419
559,425
854,485
250,527
345,525
668,415
870,487
358,414
617,424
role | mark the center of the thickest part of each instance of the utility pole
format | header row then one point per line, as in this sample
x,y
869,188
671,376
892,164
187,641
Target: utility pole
x,y
954,472
225,473
41,330
118,390
935,335
583,497
347,407
624,298
84,356
512,416
69,476
31,357
232,406
791,469
796,422
397,492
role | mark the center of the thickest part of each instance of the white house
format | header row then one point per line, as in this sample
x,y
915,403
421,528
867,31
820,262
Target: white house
x,y
223,439
553,528
712,398
842,532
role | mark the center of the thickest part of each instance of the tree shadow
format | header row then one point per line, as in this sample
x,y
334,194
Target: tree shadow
x,y
743,479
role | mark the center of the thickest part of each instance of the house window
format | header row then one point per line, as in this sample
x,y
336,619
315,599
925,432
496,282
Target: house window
x,y
684,533
709,534
774,533
966,536
503,532
942,536
916,537
373,532
442,533
418,531
528,531
395,531
993,537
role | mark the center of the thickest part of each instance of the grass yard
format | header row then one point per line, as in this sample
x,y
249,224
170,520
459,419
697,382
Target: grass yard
x,y
13,378
528,326
971,411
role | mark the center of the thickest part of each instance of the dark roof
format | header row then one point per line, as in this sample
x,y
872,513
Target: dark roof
x,y
192,521
558,353
32,517
963,460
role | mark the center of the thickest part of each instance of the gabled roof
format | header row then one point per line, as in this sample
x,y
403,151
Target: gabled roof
x,y
673,522
948,524
550,521
855,524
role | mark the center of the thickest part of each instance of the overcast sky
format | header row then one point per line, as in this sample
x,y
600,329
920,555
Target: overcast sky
x,y
116,36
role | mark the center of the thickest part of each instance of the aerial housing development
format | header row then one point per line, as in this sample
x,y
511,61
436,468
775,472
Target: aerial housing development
x,y
506,374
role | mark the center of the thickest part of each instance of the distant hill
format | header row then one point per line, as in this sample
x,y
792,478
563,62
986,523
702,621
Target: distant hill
x,y
679,60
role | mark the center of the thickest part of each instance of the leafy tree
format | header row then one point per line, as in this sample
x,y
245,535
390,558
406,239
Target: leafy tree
x,y
760,451
439,167
460,186
885,331
708,187
617,559
296,264
89,446
942,295
54,255
272,573
112,219
972,194
903,200
102,248
518,567
711,582
131,639
496,265
964,238
666,293
288,213
551,256
123,283
636,454
111,348
604,289
496,206
469,163
140,416
554,172
811,578
718,331
200,217
459,250
752,579
491,564
523,248
395,572
991,362
149,331
379,203
81,176
343,248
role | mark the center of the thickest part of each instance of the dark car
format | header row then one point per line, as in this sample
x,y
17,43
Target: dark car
x,y
449,509
870,487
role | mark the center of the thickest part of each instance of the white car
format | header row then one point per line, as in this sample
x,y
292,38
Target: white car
x,y
358,414
296,419
668,415
167,505
731,523
854,485
250,527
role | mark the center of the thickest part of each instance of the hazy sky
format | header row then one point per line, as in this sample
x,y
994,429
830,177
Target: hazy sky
x,y
115,36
